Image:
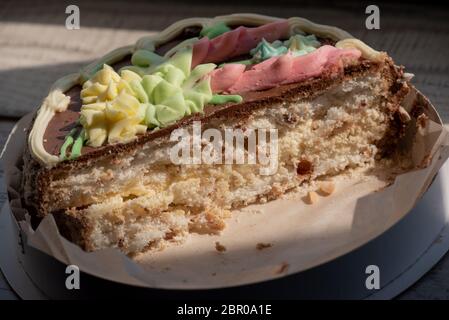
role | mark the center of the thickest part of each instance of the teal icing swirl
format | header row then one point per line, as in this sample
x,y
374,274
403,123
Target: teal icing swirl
x,y
297,44
264,50
300,45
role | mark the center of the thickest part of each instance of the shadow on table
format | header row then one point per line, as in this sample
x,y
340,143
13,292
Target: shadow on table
x,y
24,88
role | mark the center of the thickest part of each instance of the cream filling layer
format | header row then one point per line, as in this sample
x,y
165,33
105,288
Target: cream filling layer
x,y
56,101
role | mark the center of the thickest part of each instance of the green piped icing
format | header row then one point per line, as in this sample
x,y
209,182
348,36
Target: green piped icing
x,y
174,91
144,62
224,98
78,145
145,58
264,50
215,30
67,143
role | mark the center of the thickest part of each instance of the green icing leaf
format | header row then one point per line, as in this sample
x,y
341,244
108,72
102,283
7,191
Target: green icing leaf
x,y
139,70
166,115
197,73
177,103
139,91
150,116
198,96
67,143
146,58
149,82
163,91
181,60
225,98
78,145
174,76
215,30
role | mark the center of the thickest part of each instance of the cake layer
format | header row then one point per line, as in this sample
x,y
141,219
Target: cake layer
x,y
139,199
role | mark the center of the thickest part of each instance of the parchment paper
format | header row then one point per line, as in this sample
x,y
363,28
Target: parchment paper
x,y
297,235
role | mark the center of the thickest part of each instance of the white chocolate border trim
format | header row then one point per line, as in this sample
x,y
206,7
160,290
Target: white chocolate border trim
x,y
57,101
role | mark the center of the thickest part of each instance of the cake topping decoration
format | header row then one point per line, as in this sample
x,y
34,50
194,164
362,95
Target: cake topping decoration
x,y
118,107
235,78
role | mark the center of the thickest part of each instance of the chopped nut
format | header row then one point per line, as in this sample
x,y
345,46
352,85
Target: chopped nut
x,y
312,197
327,187
283,268
408,76
304,167
261,246
422,121
219,247
107,176
403,115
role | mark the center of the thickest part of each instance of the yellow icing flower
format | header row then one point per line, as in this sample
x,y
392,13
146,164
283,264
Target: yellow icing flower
x,y
111,109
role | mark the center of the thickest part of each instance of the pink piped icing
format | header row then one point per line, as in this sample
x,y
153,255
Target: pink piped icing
x,y
223,78
285,69
236,42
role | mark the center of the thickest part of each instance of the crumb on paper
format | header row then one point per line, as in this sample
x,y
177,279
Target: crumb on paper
x,y
219,247
427,159
282,268
422,121
327,187
312,197
250,210
261,245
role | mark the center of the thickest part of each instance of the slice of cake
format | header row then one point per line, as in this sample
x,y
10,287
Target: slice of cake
x,y
164,138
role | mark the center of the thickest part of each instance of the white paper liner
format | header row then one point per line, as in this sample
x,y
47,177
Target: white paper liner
x,y
302,236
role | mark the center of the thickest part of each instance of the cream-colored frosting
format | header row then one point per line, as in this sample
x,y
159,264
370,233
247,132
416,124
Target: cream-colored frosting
x,y
367,52
56,101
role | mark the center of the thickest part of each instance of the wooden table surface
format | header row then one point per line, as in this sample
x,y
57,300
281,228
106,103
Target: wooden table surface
x,y
36,49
